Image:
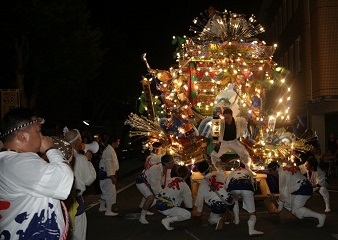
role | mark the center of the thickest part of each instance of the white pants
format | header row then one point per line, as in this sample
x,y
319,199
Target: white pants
x,y
325,194
108,191
80,228
248,199
181,213
213,218
236,146
297,205
144,189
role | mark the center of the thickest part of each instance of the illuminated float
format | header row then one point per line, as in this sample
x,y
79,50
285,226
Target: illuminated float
x,y
231,68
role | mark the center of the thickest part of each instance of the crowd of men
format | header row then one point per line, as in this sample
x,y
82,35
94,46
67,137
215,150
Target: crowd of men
x,y
41,186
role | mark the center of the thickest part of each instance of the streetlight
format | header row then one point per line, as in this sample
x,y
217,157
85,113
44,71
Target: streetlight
x,y
86,122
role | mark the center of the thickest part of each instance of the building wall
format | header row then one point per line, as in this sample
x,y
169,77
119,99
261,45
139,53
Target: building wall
x,y
307,37
324,35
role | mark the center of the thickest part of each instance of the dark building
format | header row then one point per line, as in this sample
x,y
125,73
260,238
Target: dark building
x,y
306,32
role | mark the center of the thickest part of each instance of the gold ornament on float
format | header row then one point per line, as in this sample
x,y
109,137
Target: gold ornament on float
x,y
64,147
161,75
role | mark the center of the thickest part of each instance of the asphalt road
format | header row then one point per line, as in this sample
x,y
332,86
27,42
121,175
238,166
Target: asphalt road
x,y
126,225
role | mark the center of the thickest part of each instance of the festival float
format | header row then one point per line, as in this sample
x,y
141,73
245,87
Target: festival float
x,y
180,107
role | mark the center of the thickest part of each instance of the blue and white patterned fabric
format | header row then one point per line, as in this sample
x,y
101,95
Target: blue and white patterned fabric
x,y
204,128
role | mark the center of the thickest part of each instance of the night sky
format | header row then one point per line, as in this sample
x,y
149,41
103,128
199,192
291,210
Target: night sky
x,y
147,26
128,29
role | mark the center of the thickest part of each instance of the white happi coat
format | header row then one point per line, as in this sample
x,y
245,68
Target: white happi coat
x,y
85,175
240,174
173,195
317,177
241,128
205,194
152,159
177,191
30,194
290,180
240,183
110,164
84,172
109,161
235,145
151,180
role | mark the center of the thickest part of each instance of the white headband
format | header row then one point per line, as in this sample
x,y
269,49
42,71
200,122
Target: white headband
x,y
76,137
37,120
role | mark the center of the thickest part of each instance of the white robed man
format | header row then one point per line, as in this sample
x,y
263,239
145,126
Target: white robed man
x,y
150,182
84,176
212,191
294,191
231,130
317,178
240,183
108,167
170,198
